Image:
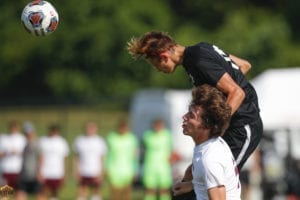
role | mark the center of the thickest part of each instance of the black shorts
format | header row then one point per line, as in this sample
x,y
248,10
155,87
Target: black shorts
x,y
244,177
186,196
244,140
30,187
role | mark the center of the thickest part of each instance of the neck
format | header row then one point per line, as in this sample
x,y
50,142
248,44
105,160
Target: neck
x,y
179,51
201,137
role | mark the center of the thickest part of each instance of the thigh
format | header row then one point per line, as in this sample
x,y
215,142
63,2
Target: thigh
x,y
11,179
89,182
165,177
53,184
244,140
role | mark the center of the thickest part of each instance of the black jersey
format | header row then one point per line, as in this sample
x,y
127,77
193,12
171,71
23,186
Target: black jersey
x,y
206,64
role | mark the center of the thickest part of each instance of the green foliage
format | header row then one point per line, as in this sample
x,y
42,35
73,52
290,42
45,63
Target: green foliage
x,y
86,57
252,34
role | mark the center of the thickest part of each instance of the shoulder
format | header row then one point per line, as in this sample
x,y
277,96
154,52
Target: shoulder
x,y
97,140
147,134
78,139
131,135
111,135
199,47
61,141
61,138
217,149
42,139
100,139
199,52
20,136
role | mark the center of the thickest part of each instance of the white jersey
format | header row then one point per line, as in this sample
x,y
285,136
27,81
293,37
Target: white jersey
x,y
90,151
214,165
54,150
12,145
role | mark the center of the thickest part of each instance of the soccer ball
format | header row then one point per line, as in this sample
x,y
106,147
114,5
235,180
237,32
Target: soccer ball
x,y
39,18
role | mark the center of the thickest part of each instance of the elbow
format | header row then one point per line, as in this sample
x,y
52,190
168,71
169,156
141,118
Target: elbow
x,y
240,93
247,66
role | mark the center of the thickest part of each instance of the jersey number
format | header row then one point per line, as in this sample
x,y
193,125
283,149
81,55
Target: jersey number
x,y
225,56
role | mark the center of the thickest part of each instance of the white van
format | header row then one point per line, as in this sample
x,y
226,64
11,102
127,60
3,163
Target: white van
x,y
170,105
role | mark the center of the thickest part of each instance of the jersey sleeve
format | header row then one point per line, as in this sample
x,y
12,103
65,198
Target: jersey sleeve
x,y
214,174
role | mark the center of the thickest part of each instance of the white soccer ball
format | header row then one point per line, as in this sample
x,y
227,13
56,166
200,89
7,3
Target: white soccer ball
x,y
40,18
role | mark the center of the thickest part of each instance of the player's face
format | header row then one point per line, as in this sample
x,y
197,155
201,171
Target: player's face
x,y
91,128
192,122
164,63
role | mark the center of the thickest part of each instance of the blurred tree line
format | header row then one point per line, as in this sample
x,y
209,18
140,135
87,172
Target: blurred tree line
x,y
86,59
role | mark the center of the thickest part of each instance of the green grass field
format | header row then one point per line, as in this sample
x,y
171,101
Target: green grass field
x,y
72,120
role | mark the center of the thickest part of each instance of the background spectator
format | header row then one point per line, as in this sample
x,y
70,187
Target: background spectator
x,y
157,175
122,161
11,149
54,150
90,150
29,178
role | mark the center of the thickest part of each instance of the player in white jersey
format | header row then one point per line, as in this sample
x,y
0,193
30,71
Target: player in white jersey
x,y
90,150
54,151
11,149
215,174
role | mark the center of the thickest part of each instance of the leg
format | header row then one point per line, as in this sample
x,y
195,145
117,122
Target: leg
x,y
82,192
150,194
164,194
21,195
116,193
127,192
244,140
96,195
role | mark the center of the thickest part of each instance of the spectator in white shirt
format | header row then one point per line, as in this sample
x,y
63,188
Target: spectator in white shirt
x,y
11,149
90,150
54,151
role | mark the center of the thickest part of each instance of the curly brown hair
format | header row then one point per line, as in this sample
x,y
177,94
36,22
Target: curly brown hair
x,y
150,45
217,112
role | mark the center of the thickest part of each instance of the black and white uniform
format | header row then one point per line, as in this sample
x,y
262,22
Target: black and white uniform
x,y
206,64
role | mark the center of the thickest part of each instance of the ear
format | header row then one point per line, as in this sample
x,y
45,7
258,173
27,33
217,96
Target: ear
x,y
163,56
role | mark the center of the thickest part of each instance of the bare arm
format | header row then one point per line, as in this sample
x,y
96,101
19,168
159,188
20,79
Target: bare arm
x,y
186,184
244,65
188,176
217,193
235,94
182,187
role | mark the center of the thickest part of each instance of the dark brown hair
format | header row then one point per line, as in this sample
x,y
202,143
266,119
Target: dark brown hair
x,y
217,112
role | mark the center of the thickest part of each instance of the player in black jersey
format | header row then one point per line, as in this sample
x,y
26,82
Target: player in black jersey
x,y
207,64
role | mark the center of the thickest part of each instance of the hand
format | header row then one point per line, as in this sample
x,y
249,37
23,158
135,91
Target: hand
x,y
182,187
